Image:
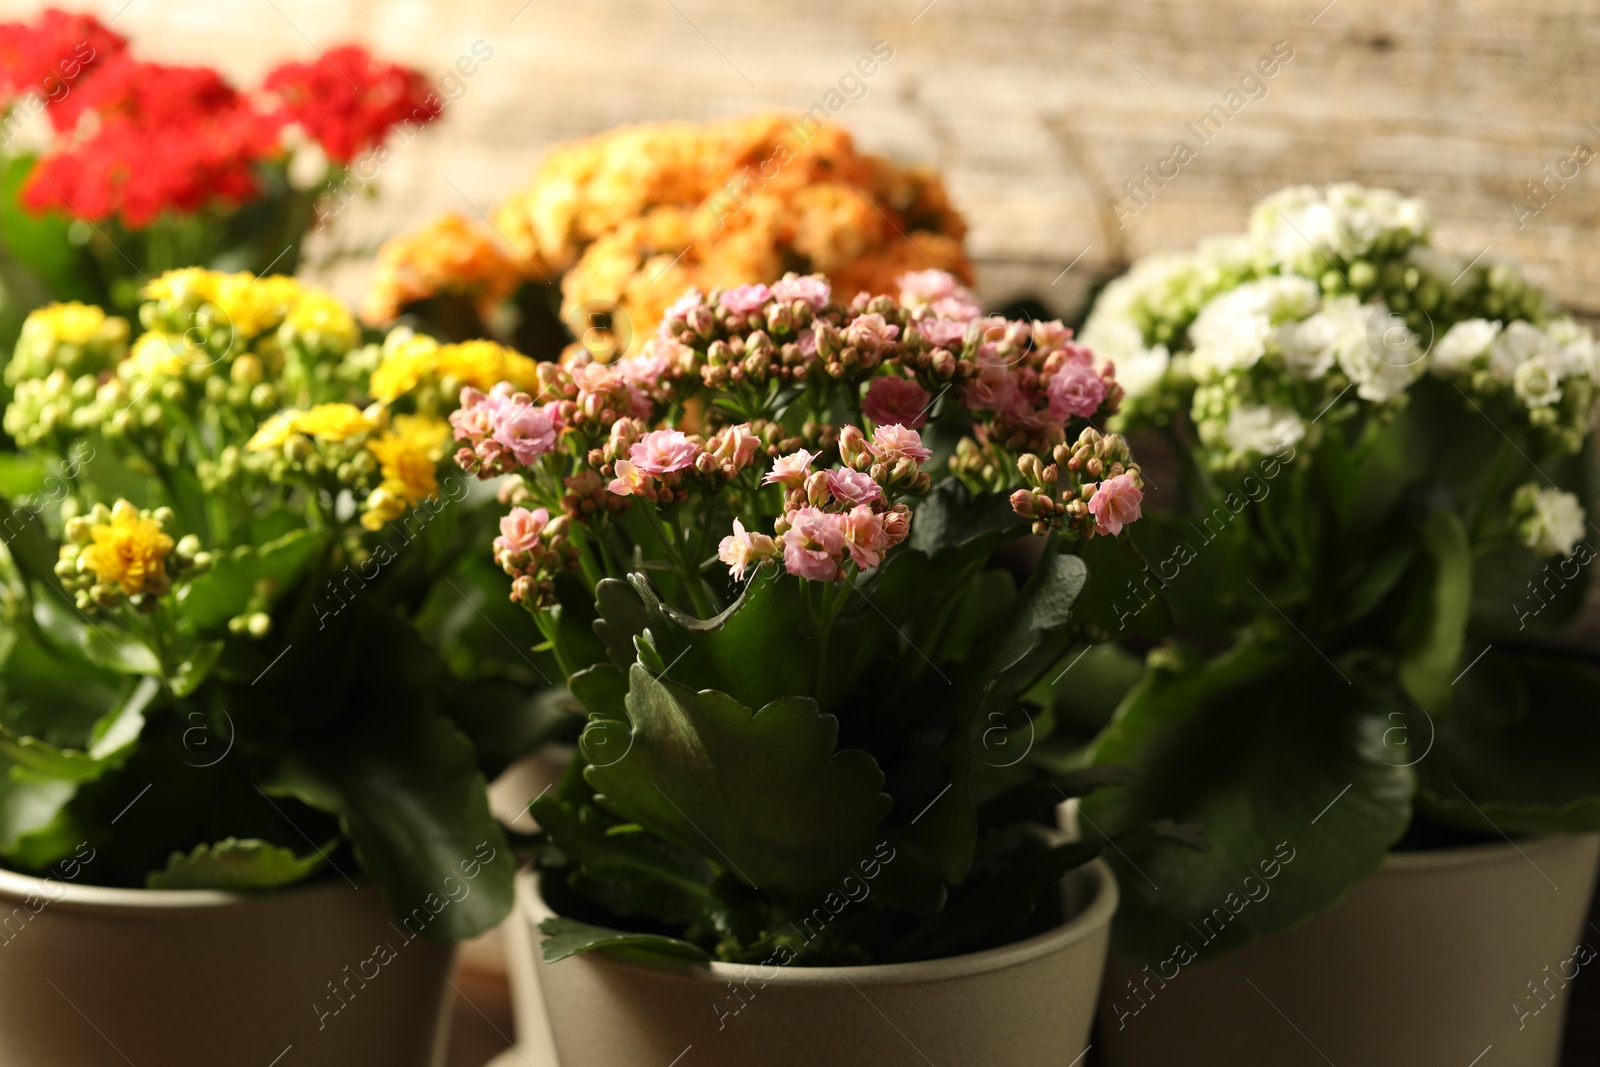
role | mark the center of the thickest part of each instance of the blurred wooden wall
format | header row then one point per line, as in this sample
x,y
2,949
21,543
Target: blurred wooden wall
x,y
1037,111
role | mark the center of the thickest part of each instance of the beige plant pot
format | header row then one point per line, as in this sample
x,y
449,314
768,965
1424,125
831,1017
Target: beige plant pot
x,y
1459,956
1028,1004
98,977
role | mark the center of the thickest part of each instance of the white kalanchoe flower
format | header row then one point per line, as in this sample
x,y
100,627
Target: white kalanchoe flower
x,y
1386,358
1518,343
1263,429
1312,347
1139,368
1462,346
1575,354
1233,331
1549,521
1303,228
1537,383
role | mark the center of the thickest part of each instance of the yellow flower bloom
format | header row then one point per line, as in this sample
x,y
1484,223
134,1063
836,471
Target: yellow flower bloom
x,y
72,323
409,472
426,432
330,422
248,304
484,364
158,353
403,368
128,551
317,313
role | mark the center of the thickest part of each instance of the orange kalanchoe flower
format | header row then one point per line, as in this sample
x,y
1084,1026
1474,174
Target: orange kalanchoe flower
x,y
635,216
448,256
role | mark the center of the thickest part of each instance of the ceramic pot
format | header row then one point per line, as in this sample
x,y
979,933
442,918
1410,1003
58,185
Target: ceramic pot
x,y
1438,958
315,976
1027,1004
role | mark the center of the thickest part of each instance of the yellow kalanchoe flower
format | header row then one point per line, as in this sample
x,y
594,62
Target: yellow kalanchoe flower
x,y
329,422
408,456
482,364
129,551
318,313
403,367
71,323
248,304
158,353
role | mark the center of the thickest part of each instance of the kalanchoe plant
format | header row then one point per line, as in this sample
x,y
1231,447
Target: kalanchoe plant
x,y
762,550
114,169
244,638
1381,533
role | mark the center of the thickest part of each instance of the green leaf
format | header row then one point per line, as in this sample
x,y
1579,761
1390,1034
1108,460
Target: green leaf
x,y
505,722
193,670
40,242
763,793
568,937
228,587
1287,770
35,825
234,864
99,643
1434,628
1516,754
1123,596
950,516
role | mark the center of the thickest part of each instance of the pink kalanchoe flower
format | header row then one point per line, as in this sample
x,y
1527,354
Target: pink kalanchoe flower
x,y
943,333
1049,336
992,390
853,487
961,307
1115,504
520,530
890,443
897,524
790,471
527,431
745,298
1075,391
743,548
807,340
683,305
736,445
474,419
630,480
925,286
664,452
892,399
865,536
870,332
813,544
812,288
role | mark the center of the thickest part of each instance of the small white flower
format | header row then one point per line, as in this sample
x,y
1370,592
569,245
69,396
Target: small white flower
x,y
1551,521
1463,345
1303,227
1262,428
1518,342
1231,332
1139,369
1575,354
1386,359
1537,383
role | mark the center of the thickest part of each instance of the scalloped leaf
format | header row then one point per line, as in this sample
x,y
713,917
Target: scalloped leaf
x,y
568,937
763,793
237,864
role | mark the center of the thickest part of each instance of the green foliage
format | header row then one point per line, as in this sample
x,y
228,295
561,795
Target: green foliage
x,y
236,865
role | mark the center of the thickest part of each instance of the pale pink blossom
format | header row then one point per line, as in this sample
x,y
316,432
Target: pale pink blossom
x,y
925,286
992,390
865,536
528,431
962,307
897,524
1075,390
890,443
683,305
1049,336
474,419
630,480
853,487
647,366
812,288
1115,504
520,530
743,548
744,299
664,452
790,471
893,399
807,340
943,333
736,445
870,332
813,544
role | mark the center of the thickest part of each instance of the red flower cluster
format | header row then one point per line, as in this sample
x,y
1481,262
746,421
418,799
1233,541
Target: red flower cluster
x,y
349,102
52,53
137,139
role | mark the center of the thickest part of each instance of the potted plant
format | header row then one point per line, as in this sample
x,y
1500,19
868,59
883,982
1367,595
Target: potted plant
x,y
800,826
611,229
244,642
139,167
1381,531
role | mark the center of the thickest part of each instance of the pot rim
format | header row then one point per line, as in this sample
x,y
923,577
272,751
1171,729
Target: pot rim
x,y
1508,850
1092,919
16,887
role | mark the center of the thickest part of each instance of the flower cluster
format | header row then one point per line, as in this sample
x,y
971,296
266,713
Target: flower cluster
x,y
1548,520
1334,304
634,217
411,363
777,404
449,256
136,140
122,554
349,101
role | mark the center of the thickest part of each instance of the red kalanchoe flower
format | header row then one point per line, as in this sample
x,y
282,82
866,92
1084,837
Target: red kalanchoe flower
x,y
51,54
348,101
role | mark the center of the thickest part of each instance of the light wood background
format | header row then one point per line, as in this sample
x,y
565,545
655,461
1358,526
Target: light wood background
x,y
1037,111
